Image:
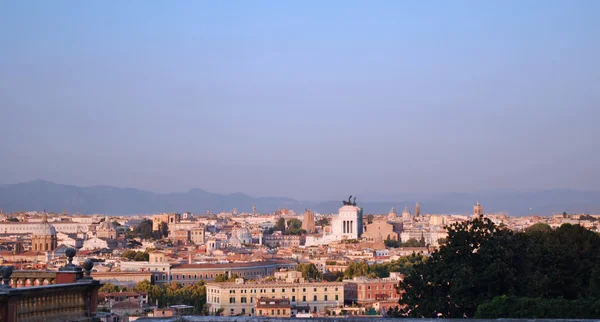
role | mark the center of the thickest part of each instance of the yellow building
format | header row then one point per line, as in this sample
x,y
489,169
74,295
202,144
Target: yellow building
x,y
240,298
380,228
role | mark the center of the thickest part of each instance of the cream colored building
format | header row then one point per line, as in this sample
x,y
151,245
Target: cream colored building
x,y
240,297
380,229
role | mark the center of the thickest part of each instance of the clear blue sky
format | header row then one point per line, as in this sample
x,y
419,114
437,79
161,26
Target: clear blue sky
x,y
307,99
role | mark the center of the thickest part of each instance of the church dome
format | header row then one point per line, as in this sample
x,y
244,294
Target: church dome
x,y
44,228
392,214
244,235
106,225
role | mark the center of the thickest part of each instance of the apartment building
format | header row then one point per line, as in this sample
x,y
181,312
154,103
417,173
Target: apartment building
x,y
240,297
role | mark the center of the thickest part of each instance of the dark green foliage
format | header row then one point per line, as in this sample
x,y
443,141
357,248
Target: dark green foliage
x,y
222,278
538,308
390,243
110,288
324,221
144,229
294,223
538,227
333,276
588,217
370,219
309,271
280,225
12,219
294,227
174,294
164,229
481,261
403,265
356,269
136,256
413,243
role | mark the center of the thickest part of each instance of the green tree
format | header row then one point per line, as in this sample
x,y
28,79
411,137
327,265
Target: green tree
x,y
109,288
390,243
280,225
141,257
164,229
144,229
129,254
294,223
334,276
538,227
477,262
481,261
412,242
222,278
323,221
370,219
356,269
309,271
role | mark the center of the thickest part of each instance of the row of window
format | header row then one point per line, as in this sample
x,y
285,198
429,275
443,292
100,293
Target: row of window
x,y
273,290
315,299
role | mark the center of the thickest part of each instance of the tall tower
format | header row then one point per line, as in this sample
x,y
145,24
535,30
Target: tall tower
x,y
308,222
254,209
477,210
417,209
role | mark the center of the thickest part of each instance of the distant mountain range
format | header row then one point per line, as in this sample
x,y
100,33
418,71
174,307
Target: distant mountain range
x,y
40,195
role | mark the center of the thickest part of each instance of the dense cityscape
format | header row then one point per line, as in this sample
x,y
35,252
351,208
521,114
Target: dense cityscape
x,y
274,161
279,264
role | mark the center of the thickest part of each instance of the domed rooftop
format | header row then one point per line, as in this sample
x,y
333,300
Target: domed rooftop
x,y
106,225
44,228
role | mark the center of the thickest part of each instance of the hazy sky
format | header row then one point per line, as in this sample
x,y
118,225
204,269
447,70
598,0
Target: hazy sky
x,y
307,99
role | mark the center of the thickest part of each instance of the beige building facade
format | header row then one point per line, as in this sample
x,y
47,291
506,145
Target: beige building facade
x,y
239,298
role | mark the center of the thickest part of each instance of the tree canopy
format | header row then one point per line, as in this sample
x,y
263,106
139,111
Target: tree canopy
x,y
309,271
482,260
144,229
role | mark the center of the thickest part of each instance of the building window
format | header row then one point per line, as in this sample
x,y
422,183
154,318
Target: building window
x,y
293,290
315,298
325,298
259,312
326,289
278,312
273,291
283,290
244,300
272,312
232,300
336,297
315,289
293,298
243,311
303,290
303,298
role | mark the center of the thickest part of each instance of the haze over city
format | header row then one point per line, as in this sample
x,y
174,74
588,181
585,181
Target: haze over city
x,y
261,160
308,100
